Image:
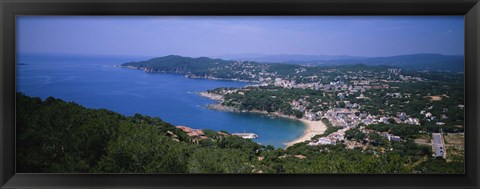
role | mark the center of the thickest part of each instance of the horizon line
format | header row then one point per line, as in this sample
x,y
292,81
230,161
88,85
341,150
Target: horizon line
x,y
218,56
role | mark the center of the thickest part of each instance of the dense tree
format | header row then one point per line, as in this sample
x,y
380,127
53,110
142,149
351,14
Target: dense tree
x,y
54,136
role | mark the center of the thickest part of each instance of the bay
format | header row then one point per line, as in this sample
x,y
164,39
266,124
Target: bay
x,y
94,82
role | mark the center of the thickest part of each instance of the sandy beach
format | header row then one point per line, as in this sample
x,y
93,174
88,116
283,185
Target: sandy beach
x,y
313,128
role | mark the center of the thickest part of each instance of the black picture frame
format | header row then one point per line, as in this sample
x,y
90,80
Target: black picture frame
x,y
9,9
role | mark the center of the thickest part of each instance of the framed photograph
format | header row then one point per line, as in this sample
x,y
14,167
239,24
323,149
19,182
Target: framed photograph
x,y
239,94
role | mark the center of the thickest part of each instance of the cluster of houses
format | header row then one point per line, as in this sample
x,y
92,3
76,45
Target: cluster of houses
x,y
345,82
193,132
248,68
410,78
300,104
279,82
390,137
395,71
348,117
351,118
339,135
331,139
343,117
438,121
334,86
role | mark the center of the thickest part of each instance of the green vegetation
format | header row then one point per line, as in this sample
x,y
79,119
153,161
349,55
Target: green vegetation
x,y
440,166
274,99
54,136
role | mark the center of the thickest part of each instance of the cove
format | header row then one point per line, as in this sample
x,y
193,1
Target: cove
x,y
94,82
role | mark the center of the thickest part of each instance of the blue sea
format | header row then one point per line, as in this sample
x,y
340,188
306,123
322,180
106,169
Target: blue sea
x,y
94,82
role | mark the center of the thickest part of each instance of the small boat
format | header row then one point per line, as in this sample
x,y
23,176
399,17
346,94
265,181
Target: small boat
x,y
246,135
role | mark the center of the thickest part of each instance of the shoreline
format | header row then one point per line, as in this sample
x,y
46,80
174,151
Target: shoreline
x,y
187,75
312,128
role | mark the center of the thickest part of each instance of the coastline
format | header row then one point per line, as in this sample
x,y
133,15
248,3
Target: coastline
x,y
312,128
149,70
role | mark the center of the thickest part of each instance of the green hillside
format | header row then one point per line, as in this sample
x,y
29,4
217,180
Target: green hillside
x,y
54,136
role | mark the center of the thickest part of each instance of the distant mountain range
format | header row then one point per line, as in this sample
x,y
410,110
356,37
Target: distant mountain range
x,y
287,58
420,62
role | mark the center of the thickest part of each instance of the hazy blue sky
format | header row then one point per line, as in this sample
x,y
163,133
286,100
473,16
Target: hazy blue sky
x,y
212,36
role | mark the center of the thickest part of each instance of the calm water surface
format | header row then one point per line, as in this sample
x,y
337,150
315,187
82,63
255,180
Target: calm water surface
x,y
94,82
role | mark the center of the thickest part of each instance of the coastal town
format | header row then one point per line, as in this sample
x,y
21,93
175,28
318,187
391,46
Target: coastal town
x,y
331,101
342,102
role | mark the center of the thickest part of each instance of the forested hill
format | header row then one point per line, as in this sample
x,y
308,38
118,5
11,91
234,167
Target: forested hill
x,y
196,67
54,136
175,63
204,67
